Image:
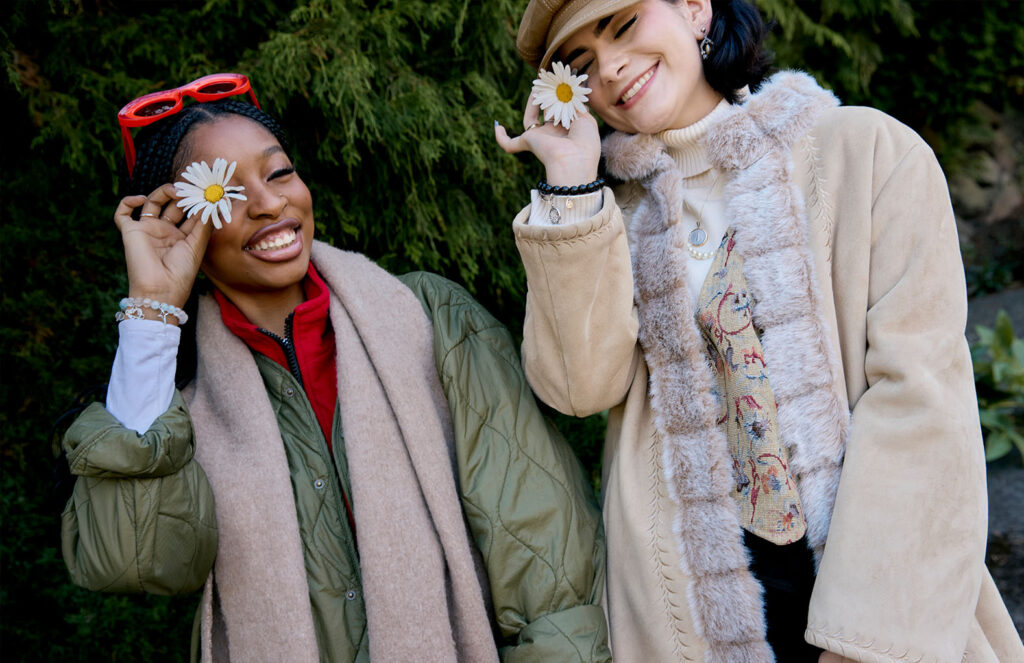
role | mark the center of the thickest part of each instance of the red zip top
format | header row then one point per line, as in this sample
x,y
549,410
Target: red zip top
x,y
310,338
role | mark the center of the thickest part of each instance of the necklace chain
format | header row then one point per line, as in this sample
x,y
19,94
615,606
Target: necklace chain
x,y
698,237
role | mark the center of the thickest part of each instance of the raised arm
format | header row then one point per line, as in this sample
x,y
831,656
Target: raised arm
x,y
580,335
141,516
579,346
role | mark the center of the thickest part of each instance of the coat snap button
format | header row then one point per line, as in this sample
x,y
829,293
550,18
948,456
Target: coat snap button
x,y
319,484
350,595
289,392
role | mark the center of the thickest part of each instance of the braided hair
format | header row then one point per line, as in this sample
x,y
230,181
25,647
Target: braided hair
x,y
738,58
163,146
163,151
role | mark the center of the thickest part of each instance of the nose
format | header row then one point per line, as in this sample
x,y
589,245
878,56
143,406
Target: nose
x,y
612,63
264,201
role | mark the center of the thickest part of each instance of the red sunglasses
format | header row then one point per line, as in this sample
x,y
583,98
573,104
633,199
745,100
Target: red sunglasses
x,y
155,106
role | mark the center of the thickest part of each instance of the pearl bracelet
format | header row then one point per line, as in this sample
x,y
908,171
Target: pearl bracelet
x,y
131,309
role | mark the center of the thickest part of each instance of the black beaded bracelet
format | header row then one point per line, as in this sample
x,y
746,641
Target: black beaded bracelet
x,y
575,190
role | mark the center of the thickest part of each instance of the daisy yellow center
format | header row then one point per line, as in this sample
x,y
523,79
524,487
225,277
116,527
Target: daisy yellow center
x,y
213,193
564,93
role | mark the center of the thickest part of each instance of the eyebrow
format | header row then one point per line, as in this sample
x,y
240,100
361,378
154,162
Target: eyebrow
x,y
598,29
573,55
273,149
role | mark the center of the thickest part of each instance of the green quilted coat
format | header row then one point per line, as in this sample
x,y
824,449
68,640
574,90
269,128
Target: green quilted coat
x,y
141,518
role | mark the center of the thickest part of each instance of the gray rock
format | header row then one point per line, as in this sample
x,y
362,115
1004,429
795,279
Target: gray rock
x,y
1005,554
983,310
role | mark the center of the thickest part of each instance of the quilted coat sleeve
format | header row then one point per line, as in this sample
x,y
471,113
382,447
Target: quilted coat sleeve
x,y
580,347
141,516
530,509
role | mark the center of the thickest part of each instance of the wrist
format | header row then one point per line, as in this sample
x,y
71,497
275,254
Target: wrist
x,y
165,296
570,177
147,308
547,189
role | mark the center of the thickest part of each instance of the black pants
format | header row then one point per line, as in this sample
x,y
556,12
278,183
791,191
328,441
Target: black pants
x,y
787,575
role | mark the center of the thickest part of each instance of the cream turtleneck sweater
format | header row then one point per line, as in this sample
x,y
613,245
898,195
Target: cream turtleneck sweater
x,y
703,203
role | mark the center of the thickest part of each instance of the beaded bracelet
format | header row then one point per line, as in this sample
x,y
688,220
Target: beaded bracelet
x,y
131,309
575,190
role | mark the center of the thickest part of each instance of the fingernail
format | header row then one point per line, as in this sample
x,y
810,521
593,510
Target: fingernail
x,y
495,123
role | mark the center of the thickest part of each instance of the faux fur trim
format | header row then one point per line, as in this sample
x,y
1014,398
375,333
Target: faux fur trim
x,y
754,141
767,211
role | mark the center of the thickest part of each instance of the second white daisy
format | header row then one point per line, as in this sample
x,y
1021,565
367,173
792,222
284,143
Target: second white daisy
x,y
207,190
560,94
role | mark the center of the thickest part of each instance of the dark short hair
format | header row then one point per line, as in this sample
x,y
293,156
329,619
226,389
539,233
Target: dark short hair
x,y
738,58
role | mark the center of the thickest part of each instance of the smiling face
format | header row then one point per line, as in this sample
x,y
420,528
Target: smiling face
x,y
265,249
644,65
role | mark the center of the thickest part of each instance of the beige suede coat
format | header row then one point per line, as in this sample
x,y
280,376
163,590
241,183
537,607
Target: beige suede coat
x,y
843,220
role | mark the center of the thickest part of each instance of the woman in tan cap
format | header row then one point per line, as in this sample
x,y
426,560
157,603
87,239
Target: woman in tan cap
x,y
771,306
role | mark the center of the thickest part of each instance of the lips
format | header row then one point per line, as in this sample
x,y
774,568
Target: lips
x,y
636,86
276,242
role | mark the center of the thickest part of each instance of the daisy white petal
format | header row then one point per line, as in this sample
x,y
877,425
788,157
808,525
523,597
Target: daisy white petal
x,y
187,191
193,175
189,202
206,190
224,205
560,94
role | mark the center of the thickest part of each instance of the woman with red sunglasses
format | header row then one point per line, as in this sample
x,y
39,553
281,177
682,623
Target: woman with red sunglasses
x,y
349,464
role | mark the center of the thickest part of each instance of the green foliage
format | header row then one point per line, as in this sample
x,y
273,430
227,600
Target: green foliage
x,y
989,274
390,105
998,358
924,64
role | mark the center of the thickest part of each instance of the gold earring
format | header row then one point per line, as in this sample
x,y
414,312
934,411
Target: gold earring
x,y
706,44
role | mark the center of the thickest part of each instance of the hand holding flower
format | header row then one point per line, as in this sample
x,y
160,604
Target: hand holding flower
x,y
570,146
560,94
163,251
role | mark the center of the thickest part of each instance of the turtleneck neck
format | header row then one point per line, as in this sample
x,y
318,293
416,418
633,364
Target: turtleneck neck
x,y
686,146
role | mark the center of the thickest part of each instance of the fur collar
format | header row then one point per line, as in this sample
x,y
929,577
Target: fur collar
x,y
753,142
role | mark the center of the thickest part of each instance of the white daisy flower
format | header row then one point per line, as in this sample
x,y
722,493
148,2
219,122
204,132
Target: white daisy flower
x,y
208,190
560,94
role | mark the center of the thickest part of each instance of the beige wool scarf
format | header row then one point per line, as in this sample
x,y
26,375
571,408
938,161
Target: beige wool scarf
x,y
423,596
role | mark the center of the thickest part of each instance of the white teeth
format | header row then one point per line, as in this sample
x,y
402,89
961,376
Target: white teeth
x,y
274,242
631,92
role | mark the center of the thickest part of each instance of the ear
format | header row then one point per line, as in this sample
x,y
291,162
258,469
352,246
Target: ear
x,y
698,14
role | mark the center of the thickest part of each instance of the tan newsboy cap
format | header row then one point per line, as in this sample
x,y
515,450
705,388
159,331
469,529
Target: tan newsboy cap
x,y
547,24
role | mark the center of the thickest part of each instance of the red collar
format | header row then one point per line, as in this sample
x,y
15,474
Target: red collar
x,y
309,320
311,336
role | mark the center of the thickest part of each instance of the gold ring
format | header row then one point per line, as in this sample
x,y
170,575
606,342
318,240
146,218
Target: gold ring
x,y
532,126
146,214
